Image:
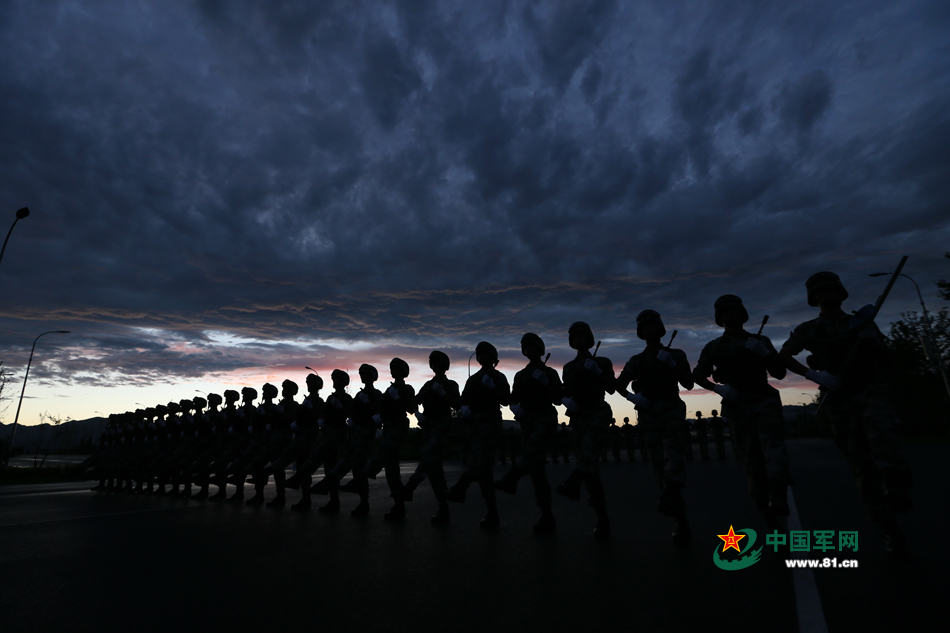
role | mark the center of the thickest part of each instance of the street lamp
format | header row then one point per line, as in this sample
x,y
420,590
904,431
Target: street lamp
x,y
930,345
20,214
27,375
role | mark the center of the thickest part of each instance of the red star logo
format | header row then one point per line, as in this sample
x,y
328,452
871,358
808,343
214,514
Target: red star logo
x,y
731,540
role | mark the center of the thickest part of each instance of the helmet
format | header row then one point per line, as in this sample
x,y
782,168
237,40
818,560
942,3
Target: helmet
x,y
487,352
290,387
340,376
729,301
649,316
439,361
269,390
214,399
368,373
822,280
532,341
249,393
399,368
580,336
230,395
313,379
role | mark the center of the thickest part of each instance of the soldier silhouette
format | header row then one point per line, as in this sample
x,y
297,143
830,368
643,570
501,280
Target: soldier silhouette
x,y
230,443
587,379
246,428
739,362
661,414
304,430
359,440
338,409
535,391
851,364
280,450
629,434
485,392
716,429
438,397
263,440
398,401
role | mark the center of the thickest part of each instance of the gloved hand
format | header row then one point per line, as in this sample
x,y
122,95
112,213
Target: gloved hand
x,y
465,411
823,378
757,347
591,365
349,422
637,399
488,382
517,410
569,403
665,356
727,392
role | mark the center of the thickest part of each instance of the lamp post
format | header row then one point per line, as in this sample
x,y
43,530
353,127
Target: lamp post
x,y
930,344
20,214
23,390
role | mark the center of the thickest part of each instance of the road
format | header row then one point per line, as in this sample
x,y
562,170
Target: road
x,y
74,559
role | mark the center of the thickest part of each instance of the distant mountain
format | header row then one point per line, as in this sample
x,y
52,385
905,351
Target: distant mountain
x,y
72,436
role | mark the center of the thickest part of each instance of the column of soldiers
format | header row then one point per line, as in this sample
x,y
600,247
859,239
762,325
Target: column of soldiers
x,y
173,449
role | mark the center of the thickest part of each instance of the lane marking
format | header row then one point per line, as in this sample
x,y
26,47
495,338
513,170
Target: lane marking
x,y
811,617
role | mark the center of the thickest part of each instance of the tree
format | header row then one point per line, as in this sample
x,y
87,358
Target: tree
x,y
944,285
916,358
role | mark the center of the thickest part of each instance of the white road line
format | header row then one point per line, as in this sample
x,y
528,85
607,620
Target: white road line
x,y
811,617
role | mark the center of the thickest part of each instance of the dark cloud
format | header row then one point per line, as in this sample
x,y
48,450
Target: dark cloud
x,y
431,176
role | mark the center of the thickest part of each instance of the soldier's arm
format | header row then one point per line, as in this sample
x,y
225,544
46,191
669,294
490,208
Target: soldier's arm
x,y
555,388
516,387
704,369
790,349
412,402
505,396
773,363
683,374
627,374
610,380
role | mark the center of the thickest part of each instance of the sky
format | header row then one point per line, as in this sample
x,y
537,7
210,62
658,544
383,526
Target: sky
x,y
224,192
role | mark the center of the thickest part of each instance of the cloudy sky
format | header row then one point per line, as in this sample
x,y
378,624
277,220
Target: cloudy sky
x,y
224,192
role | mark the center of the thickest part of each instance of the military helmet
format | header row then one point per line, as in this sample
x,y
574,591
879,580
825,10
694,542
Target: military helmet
x,y
313,379
173,407
532,341
368,373
186,404
439,361
340,376
398,368
269,390
822,280
230,395
649,316
729,301
214,399
289,386
249,393
487,352
199,402
580,336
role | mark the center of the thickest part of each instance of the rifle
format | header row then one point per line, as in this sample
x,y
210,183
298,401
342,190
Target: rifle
x,y
765,320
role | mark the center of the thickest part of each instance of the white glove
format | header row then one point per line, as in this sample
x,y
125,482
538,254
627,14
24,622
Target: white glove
x,y
349,421
570,404
637,399
727,392
591,365
665,356
757,347
488,382
377,418
823,378
363,397
517,410
293,426
465,411
438,389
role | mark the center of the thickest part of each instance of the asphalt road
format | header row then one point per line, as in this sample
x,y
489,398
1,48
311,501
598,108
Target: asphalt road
x,y
77,560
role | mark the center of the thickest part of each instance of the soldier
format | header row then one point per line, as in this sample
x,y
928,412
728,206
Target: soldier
x,y
739,362
281,450
439,397
629,434
587,379
398,401
535,391
716,429
249,431
615,440
338,409
702,435
305,430
661,414
227,441
851,364
359,440
485,392
264,440
203,436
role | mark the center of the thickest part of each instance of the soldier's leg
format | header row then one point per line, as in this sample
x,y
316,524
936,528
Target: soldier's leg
x,y
486,483
393,476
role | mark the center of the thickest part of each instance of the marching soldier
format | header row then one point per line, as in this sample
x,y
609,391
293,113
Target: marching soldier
x,y
655,374
535,391
264,438
249,432
227,441
587,380
305,430
702,435
338,409
485,392
439,397
740,363
716,429
850,363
